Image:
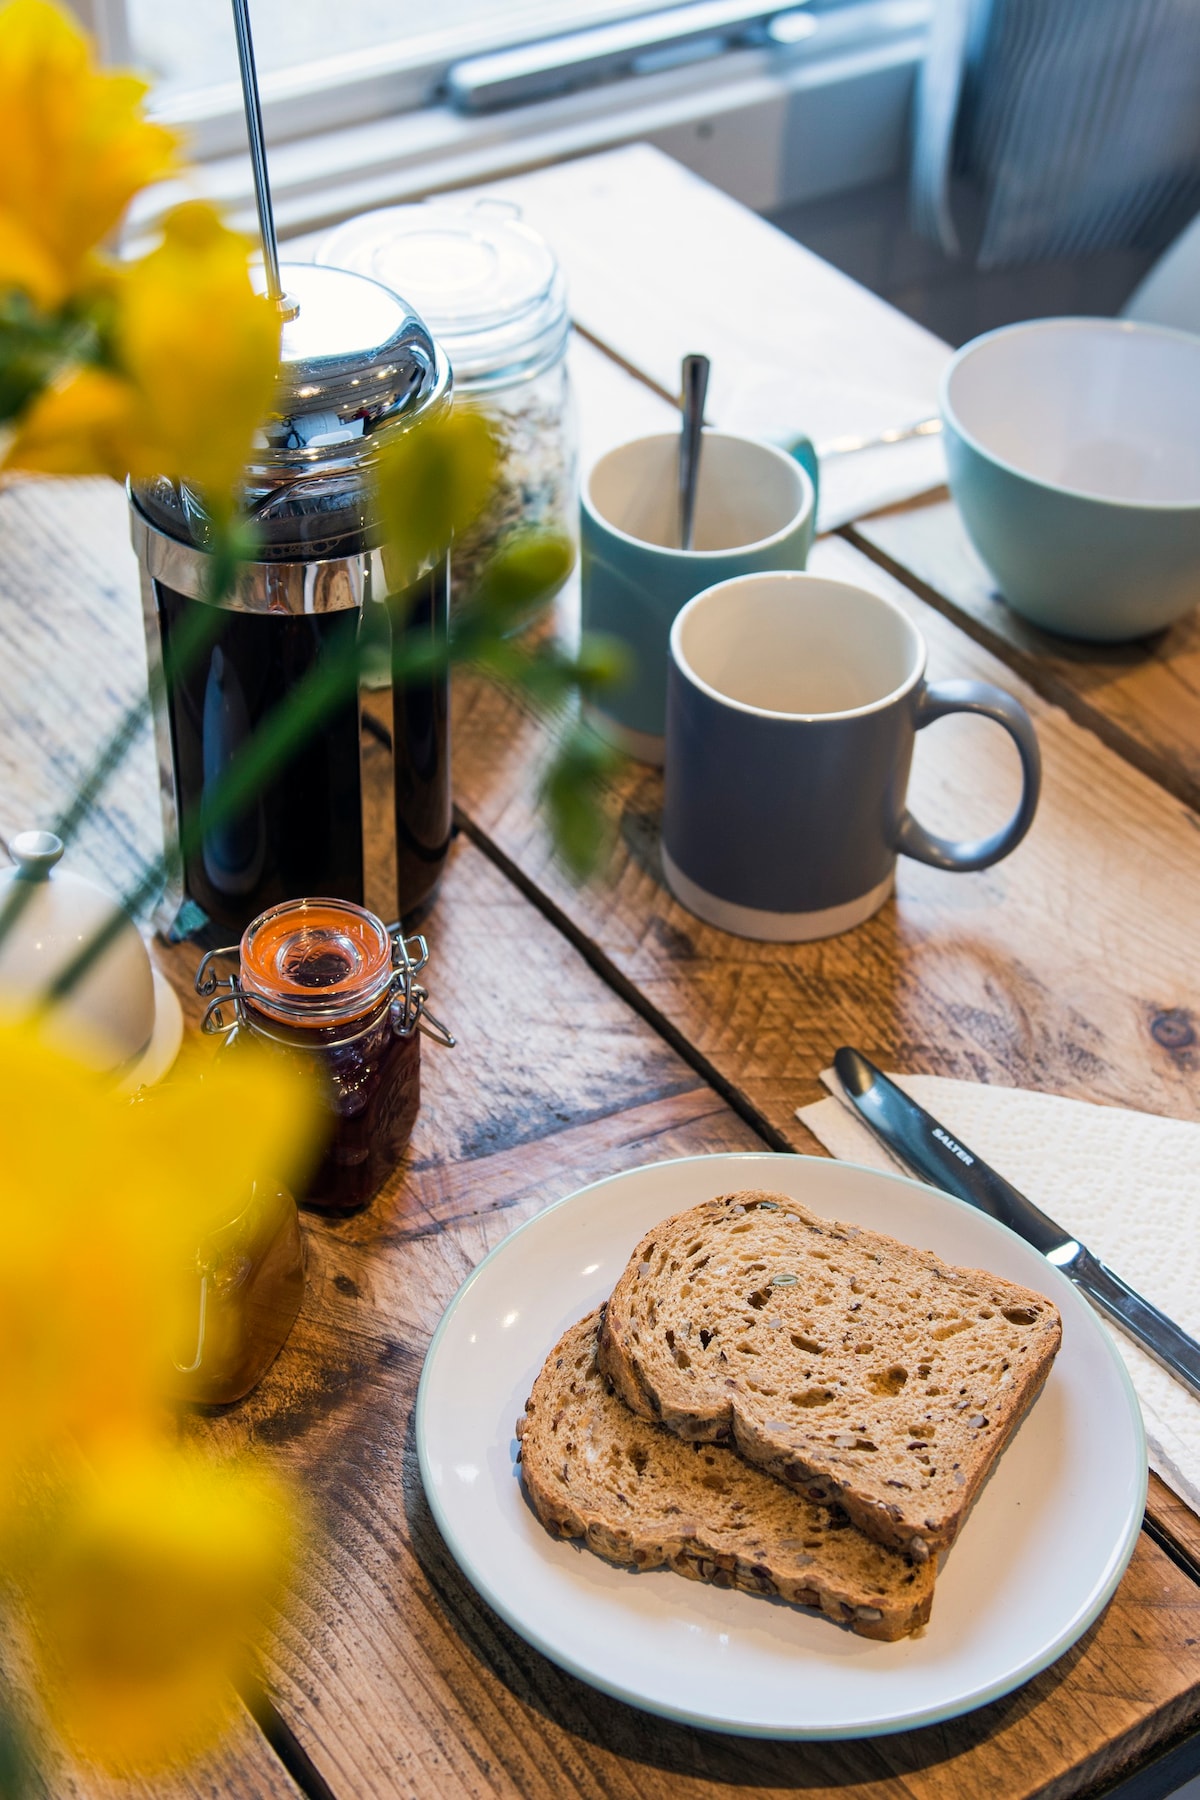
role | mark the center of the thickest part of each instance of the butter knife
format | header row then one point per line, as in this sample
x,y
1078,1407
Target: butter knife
x,y
938,1157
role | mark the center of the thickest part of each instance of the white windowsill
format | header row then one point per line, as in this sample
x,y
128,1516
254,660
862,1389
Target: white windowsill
x,y
769,129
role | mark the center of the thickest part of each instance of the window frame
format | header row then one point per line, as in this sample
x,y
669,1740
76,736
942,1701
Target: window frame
x,y
384,81
770,126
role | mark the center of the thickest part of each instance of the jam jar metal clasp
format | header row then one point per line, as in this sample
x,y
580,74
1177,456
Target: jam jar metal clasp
x,y
410,1008
220,991
226,1009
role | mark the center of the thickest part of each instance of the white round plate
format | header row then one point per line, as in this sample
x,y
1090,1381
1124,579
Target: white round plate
x,y
1041,1553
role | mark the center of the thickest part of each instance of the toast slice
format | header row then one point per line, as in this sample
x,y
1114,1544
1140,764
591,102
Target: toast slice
x,y
855,1368
636,1494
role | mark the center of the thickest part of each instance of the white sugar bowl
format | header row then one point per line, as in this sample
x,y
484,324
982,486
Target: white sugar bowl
x,y
121,1016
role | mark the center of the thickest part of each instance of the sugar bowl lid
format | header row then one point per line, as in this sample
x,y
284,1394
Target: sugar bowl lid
x,y
122,1017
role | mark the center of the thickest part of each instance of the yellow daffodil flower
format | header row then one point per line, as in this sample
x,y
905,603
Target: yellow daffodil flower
x,y
154,1572
88,422
102,1205
196,352
74,150
430,482
201,348
142,1566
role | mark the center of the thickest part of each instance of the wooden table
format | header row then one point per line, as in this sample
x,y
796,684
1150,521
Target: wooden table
x,y
604,1027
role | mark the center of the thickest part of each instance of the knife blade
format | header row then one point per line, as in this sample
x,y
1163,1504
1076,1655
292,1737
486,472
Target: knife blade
x,y
941,1159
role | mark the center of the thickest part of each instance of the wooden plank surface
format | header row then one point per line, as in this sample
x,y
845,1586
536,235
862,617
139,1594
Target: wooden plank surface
x,y
243,1767
1067,967
1143,698
392,1674
659,263
1176,1524
395,1677
74,659
242,1764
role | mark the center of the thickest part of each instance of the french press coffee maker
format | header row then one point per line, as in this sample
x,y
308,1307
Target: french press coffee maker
x,y
362,811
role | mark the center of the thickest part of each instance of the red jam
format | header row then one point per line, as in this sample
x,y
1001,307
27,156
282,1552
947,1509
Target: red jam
x,y
319,981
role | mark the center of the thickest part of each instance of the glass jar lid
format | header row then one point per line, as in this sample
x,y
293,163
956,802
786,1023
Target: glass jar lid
x,y
316,962
487,285
311,965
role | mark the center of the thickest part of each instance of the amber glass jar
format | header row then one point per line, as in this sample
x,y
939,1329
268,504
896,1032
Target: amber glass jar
x,y
325,981
246,1286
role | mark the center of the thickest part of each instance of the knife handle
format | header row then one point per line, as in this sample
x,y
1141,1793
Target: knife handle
x,y
1178,1353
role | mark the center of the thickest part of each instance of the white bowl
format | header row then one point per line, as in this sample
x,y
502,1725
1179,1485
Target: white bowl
x,y
1074,456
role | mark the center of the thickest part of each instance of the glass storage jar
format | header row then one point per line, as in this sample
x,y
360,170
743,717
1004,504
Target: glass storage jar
x,y
492,293
326,982
246,1285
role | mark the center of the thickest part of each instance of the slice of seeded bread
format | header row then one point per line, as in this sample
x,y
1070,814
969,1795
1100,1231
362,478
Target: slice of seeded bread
x,y
852,1366
636,1494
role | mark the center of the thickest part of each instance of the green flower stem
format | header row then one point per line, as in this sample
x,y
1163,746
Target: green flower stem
x,y
260,759
544,672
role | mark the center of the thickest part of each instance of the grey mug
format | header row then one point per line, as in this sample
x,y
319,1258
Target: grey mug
x,y
793,703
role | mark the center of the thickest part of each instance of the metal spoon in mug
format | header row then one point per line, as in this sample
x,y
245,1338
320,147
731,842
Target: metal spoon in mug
x,y
695,390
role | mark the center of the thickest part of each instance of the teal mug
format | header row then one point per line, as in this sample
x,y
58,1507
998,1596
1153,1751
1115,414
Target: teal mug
x,y
755,511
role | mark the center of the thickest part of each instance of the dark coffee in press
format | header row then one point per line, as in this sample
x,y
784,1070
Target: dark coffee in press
x,y
356,362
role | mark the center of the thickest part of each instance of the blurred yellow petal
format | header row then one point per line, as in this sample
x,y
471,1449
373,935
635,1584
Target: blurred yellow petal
x,y
26,263
430,482
74,147
257,1115
197,352
103,1204
156,1575
87,1309
88,423
201,348
143,1568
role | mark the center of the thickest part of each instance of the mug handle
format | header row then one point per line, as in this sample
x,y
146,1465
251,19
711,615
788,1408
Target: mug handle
x,y
938,699
803,450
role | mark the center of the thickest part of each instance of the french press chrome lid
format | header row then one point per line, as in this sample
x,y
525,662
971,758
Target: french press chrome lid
x,y
354,358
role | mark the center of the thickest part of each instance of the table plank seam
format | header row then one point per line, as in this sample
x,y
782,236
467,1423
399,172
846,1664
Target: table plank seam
x,y
1166,1760
283,1741
1180,1554
622,986
622,363
1141,1760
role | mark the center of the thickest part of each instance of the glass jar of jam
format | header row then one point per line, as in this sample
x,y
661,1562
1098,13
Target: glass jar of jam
x,y
326,982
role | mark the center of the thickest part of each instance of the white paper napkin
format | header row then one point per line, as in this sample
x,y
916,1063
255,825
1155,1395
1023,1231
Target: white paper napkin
x,y
1125,1183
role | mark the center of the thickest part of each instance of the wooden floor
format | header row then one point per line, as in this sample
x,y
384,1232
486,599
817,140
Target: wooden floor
x,y
603,1027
